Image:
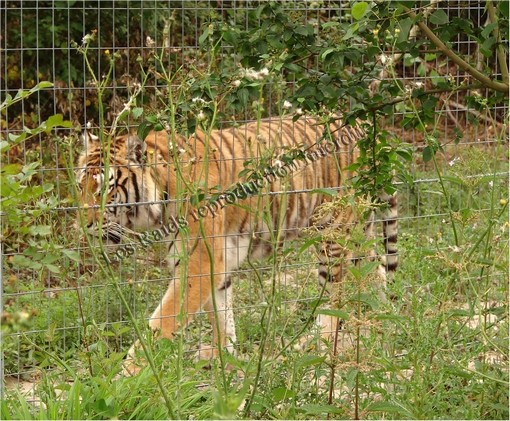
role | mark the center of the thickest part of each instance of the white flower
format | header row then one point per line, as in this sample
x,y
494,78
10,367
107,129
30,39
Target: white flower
x,y
299,111
250,74
453,161
236,83
86,39
264,72
149,42
491,184
253,74
197,99
201,116
286,105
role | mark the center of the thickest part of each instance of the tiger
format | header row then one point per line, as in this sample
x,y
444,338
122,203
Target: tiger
x,y
150,184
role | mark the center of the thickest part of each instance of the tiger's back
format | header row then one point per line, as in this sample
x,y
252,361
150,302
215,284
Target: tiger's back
x,y
289,161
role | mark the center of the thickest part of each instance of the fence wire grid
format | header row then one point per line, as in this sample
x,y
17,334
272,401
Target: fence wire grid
x,y
54,298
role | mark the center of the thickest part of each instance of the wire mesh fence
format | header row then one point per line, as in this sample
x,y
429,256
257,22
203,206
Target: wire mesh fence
x,y
178,66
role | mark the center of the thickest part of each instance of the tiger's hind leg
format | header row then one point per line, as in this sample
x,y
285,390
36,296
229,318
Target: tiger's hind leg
x,y
346,243
335,257
342,248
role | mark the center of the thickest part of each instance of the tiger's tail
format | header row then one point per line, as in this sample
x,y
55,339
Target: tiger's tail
x,y
390,232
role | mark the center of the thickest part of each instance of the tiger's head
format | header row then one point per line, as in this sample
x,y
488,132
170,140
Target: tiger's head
x,y
121,179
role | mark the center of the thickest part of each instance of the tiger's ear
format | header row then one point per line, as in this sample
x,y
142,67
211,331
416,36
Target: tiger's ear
x,y
89,140
136,148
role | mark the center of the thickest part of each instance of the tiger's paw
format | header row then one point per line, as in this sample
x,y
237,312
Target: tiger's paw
x,y
209,353
206,352
131,367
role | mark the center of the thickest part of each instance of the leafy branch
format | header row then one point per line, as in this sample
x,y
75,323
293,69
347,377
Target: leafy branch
x,y
500,51
487,81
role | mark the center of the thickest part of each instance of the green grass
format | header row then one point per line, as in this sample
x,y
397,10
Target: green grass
x,y
438,350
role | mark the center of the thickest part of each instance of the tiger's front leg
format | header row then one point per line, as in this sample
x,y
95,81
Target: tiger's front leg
x,y
200,272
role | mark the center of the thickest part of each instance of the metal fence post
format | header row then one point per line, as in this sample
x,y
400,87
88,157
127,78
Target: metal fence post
x,y
1,309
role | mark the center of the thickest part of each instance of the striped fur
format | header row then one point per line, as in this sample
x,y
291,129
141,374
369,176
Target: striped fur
x,y
145,177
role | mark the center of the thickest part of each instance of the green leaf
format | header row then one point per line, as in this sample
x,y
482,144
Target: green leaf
x,y
439,17
427,153
72,254
304,30
366,299
243,95
309,360
7,102
230,36
281,393
351,31
305,245
41,85
487,45
275,41
361,272
22,94
359,10
326,52
390,317
454,180
50,258
313,409
52,268
405,26
405,154
41,230
330,24
488,29
54,121
390,407
137,112
4,146
204,36
335,313
144,129
504,8
10,169
22,261
460,313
